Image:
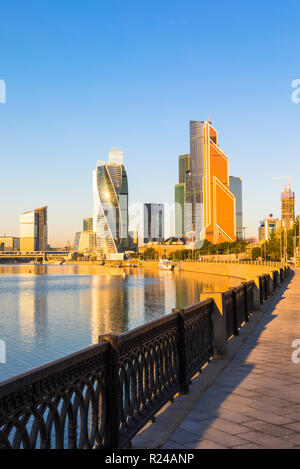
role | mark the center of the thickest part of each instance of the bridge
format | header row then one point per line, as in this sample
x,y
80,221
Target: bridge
x,y
28,256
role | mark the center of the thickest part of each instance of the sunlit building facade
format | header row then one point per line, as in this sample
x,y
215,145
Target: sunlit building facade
x,y
110,213
34,230
87,224
288,208
211,204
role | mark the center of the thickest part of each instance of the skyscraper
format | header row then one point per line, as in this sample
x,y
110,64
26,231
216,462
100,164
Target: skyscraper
x,y
235,184
180,190
212,204
34,230
153,223
110,214
87,224
287,208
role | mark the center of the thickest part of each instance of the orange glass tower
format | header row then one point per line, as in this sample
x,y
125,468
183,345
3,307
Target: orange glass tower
x,y
212,203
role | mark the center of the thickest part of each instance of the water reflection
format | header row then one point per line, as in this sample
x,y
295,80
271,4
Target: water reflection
x,y
49,311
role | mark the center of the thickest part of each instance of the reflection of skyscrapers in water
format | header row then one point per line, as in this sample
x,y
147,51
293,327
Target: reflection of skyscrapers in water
x,y
110,214
33,308
109,305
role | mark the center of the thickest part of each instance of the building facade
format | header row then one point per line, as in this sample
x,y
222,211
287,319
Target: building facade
x,y
110,213
267,227
34,230
87,224
235,184
287,208
180,193
211,203
10,243
153,230
84,242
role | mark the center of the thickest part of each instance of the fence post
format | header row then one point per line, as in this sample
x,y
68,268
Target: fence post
x,y
234,307
182,371
113,394
218,322
256,304
246,301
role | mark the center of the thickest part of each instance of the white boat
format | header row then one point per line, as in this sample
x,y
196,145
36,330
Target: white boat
x,y
164,264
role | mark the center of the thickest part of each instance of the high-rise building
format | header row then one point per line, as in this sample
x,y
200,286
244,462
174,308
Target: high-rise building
x,y
179,209
180,189
110,214
84,242
235,184
287,208
212,204
153,229
87,224
34,230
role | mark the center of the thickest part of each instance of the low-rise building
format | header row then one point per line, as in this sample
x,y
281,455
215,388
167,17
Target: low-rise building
x,y
10,243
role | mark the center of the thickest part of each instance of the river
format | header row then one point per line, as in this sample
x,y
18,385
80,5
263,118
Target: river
x,y
47,312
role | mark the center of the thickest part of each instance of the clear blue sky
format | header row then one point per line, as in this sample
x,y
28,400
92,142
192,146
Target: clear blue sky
x,y
86,76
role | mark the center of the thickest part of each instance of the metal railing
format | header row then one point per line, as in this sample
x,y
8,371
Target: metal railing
x,y
101,397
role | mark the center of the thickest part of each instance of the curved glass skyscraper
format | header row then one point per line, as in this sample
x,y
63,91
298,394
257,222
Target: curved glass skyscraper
x,y
110,217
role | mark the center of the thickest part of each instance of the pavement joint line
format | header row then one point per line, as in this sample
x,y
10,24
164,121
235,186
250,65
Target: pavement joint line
x,y
157,434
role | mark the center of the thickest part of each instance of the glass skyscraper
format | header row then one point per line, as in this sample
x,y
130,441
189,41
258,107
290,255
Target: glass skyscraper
x,y
236,189
110,214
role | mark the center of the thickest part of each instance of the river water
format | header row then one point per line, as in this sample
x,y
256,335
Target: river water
x,y
47,312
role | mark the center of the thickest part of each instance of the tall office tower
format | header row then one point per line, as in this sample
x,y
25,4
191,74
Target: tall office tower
x,y
212,203
87,224
183,167
34,230
110,214
287,208
153,229
235,184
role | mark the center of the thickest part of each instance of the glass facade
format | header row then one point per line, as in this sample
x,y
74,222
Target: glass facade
x,y
236,188
154,229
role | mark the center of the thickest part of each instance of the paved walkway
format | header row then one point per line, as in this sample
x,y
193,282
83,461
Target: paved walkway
x,y
255,402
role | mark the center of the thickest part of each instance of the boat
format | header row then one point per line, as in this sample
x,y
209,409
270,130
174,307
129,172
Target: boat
x,y
165,264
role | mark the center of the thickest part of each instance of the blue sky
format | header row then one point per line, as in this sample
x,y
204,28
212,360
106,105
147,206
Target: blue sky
x,y
86,76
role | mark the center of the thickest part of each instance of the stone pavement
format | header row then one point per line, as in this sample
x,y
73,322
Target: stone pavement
x,y
255,402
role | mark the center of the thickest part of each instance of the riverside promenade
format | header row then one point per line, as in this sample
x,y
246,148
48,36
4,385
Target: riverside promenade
x,y
255,402
250,399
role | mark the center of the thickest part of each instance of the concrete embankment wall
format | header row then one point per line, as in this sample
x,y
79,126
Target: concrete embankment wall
x,y
243,271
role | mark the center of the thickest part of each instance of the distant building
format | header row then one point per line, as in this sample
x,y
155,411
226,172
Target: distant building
x,y
211,203
110,214
235,184
287,208
10,243
153,223
34,230
180,194
87,224
267,227
84,242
